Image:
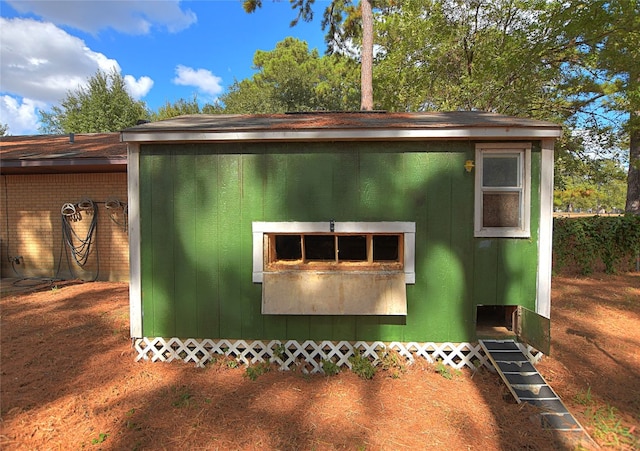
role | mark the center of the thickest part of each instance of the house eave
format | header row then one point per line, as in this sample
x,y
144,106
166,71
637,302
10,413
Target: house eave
x,y
57,166
461,133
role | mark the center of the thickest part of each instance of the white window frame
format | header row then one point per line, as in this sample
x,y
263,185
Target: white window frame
x,y
408,229
524,188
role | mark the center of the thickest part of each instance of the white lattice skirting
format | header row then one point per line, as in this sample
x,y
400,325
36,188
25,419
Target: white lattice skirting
x,y
309,355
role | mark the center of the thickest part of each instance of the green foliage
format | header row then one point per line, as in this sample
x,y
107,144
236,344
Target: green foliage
x,y
362,366
584,398
179,108
102,437
183,397
448,55
393,363
279,352
330,368
292,78
587,183
103,105
257,369
4,129
607,427
446,371
585,241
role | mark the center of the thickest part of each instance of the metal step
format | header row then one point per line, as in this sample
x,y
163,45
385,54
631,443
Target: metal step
x,y
528,386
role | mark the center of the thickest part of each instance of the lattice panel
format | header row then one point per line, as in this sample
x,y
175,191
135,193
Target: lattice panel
x,y
309,355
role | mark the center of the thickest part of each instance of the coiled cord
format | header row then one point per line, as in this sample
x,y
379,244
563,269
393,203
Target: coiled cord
x,y
79,247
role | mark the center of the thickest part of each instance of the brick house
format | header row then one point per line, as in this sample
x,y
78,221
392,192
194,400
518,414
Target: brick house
x,y
64,185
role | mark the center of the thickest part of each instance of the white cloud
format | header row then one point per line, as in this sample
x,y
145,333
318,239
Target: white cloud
x,y
138,88
202,79
20,115
40,63
130,17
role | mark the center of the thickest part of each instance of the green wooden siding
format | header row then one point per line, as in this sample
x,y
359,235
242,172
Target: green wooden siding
x,y
198,202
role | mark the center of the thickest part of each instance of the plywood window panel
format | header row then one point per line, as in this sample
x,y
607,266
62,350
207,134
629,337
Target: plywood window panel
x,y
333,293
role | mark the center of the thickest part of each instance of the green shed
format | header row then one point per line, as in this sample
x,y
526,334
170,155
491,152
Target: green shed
x,y
305,237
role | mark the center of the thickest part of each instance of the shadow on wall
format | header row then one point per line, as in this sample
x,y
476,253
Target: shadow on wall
x,y
198,203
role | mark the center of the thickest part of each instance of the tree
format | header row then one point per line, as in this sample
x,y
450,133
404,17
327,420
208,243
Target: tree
x,y
571,62
366,72
4,129
103,105
604,81
464,55
588,183
336,14
183,107
292,78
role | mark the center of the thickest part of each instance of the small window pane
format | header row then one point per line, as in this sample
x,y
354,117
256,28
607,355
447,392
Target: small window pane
x,y
501,171
501,209
352,248
288,247
319,247
385,248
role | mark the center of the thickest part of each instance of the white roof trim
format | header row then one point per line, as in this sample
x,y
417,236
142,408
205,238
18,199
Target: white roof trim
x,y
345,135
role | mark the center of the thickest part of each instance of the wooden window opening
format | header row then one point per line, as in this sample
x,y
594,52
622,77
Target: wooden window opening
x,y
362,251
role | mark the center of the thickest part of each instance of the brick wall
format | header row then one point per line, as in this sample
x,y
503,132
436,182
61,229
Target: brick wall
x,y
31,226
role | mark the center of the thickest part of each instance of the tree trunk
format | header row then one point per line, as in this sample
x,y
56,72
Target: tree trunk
x,y
366,69
633,177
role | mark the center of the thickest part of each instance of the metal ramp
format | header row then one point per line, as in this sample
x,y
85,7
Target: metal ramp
x,y
527,385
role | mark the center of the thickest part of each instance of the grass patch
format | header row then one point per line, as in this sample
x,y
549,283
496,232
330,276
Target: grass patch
x,y
362,366
606,424
257,369
446,371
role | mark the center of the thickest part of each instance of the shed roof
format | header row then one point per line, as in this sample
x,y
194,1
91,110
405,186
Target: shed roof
x,y
337,126
86,152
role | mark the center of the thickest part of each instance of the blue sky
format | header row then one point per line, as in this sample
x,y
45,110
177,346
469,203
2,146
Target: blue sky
x,y
165,49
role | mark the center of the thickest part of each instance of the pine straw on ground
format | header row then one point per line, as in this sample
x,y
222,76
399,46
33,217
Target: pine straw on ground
x,y
69,381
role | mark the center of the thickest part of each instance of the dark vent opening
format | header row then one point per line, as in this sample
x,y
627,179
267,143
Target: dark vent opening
x,y
352,248
288,247
494,320
319,247
385,248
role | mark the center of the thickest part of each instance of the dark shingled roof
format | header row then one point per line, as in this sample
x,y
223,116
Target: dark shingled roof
x,y
86,152
341,125
339,120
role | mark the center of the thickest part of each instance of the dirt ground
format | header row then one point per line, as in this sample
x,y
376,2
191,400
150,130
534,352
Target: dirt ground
x,y
69,381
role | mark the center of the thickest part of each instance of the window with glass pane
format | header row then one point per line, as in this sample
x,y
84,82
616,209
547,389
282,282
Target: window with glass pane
x,y
502,190
501,209
501,170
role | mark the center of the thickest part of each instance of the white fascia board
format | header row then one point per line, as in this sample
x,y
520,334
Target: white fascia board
x,y
133,209
344,135
339,227
375,227
290,227
545,238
